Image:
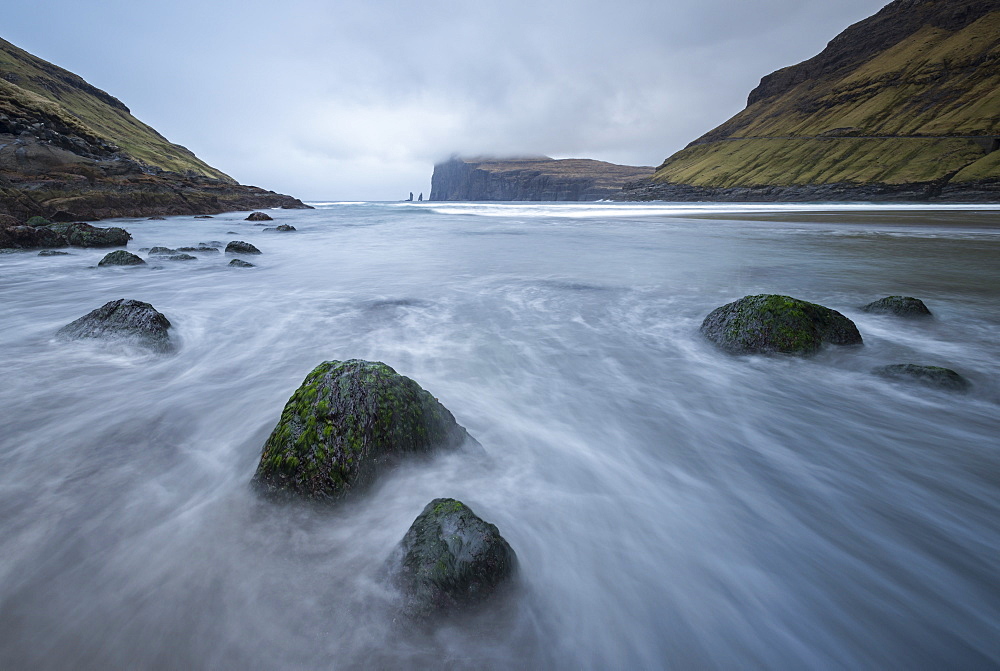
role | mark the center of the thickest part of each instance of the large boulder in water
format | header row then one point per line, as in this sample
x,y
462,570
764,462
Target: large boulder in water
x,y
929,376
120,257
123,319
85,235
346,423
769,323
450,558
259,216
900,306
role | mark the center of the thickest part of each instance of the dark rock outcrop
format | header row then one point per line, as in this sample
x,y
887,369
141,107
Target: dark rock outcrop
x,y
450,558
240,263
61,235
900,306
929,376
534,179
346,423
259,216
125,320
240,247
769,323
120,257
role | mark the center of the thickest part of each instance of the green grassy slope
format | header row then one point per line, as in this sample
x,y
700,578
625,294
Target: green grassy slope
x,y
890,101
37,90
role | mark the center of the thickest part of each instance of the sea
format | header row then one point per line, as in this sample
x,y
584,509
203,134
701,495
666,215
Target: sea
x,y
671,506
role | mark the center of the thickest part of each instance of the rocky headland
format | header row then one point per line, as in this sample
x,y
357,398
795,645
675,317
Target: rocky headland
x,y
70,151
899,107
533,179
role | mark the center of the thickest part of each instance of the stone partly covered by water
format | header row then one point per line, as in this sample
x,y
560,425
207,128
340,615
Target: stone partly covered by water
x,y
450,558
124,319
240,263
347,422
768,323
259,216
120,257
900,306
240,247
929,376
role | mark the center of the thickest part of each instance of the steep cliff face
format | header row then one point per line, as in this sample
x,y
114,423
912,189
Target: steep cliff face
x,y
904,105
537,179
68,147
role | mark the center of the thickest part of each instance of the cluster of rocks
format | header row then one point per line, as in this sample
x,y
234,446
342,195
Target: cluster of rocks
x,y
38,232
340,431
774,324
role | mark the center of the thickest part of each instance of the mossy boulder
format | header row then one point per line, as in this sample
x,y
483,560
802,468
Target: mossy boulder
x,y
37,221
259,216
85,235
240,247
450,558
770,323
120,257
124,319
929,376
345,424
900,306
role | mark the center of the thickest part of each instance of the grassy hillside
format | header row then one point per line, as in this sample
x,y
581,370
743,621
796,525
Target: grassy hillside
x,y
33,89
911,95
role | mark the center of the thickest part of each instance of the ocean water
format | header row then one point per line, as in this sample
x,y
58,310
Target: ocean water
x,y
672,507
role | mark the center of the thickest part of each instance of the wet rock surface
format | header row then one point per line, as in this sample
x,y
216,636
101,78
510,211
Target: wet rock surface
x,y
240,247
900,306
240,263
121,257
347,422
770,323
259,216
124,319
450,558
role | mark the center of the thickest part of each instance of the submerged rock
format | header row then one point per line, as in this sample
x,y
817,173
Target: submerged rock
x,y
120,257
161,251
259,216
204,216
771,323
240,263
450,558
199,250
901,306
345,424
157,219
123,319
181,257
240,247
929,376
52,252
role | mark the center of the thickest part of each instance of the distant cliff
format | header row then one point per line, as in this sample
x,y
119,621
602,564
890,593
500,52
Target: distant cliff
x,y
536,179
902,106
71,151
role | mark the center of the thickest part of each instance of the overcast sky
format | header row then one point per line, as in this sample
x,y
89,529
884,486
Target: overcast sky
x,y
358,99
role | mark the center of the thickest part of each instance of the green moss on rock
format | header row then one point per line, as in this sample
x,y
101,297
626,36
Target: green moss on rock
x,y
345,424
770,323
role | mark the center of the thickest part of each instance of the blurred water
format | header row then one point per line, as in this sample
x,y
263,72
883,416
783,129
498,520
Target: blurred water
x,y
671,506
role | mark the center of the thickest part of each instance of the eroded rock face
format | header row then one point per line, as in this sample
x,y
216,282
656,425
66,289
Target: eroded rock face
x,y
450,558
120,257
240,247
345,424
929,376
770,323
900,306
124,319
259,216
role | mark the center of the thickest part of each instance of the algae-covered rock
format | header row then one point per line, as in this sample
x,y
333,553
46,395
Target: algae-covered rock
x,y
123,319
258,216
769,323
240,263
347,421
120,257
929,376
240,247
37,221
450,558
85,235
900,306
